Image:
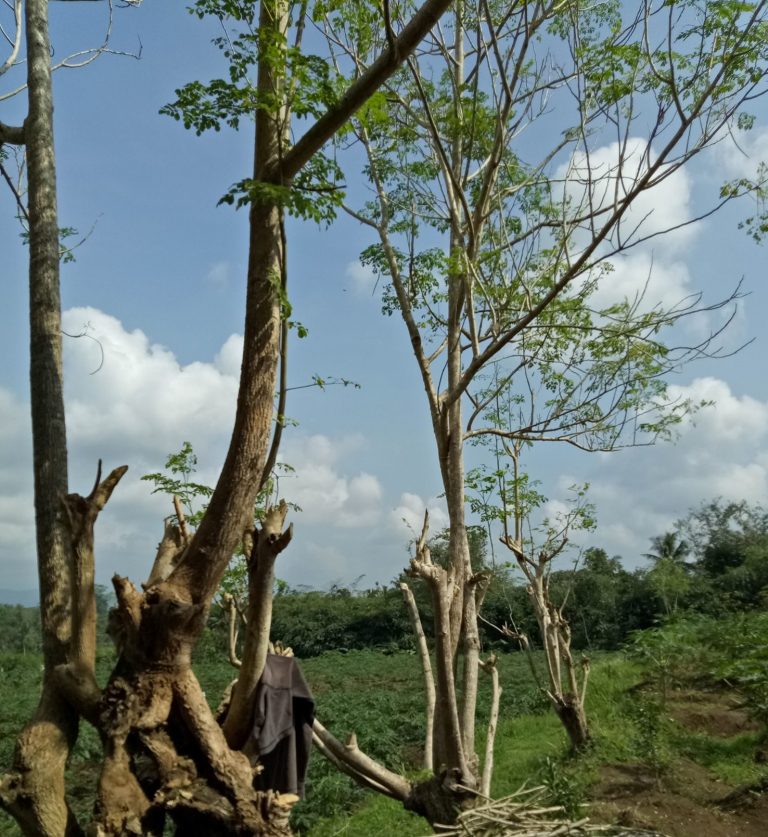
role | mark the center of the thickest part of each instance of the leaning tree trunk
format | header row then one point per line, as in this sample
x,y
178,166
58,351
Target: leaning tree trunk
x,y
153,704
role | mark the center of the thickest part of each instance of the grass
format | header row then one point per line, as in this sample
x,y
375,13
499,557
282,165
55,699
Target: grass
x,y
730,759
379,696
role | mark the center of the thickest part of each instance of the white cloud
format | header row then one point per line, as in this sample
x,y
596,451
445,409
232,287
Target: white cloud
x,y
17,534
733,421
229,358
362,276
722,452
605,177
139,405
739,155
638,276
127,401
324,493
652,274
218,274
140,395
408,517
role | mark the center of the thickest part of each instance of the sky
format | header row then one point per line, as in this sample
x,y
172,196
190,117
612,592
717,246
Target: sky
x,y
158,290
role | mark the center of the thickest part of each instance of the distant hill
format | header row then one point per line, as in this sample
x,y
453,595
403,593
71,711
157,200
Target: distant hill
x,y
28,598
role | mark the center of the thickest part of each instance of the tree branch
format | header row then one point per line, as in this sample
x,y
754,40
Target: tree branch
x,y
360,766
12,134
362,89
426,667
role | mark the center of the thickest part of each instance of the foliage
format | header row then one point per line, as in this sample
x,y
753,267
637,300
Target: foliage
x,y
178,483
20,629
650,738
359,690
566,788
305,87
20,626
732,649
730,550
314,622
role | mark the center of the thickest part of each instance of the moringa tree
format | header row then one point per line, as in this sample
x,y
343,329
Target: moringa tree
x,y
512,162
164,753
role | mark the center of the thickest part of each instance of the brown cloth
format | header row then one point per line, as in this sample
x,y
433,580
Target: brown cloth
x,y
282,726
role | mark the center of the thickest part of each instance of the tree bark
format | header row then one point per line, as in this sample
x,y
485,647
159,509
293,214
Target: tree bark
x,y
426,668
570,710
34,792
270,541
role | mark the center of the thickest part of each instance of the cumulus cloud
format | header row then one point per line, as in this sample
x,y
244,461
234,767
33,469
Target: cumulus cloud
x,y
640,276
129,400
722,451
609,172
653,238
740,155
362,276
229,358
408,517
140,394
324,493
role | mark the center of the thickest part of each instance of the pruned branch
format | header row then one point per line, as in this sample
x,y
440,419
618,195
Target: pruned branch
x,y
12,134
81,514
269,541
426,668
361,767
169,552
490,668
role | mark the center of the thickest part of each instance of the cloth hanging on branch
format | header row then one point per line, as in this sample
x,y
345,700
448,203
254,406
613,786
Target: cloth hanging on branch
x,y
284,711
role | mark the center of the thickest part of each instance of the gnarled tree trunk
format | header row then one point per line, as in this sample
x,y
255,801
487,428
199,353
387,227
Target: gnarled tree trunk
x,y
164,753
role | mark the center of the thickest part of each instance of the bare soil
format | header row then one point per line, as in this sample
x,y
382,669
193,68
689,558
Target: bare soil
x,y
720,714
688,800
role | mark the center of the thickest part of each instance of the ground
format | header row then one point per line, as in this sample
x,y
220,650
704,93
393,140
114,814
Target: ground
x,y
685,798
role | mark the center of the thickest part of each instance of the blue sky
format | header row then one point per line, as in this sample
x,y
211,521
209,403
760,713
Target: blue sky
x,y
160,283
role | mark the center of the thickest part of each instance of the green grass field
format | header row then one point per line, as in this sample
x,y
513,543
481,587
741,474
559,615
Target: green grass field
x,y
632,702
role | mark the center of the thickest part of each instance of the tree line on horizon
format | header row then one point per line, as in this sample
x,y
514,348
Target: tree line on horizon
x,y
715,561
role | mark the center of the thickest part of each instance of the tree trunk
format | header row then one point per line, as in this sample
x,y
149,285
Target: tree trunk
x,y
164,754
269,542
570,710
34,792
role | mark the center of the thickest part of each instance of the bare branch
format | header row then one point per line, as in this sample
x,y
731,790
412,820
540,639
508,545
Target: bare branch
x,y
361,767
489,667
426,668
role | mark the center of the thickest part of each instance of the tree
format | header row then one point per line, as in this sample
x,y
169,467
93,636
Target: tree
x,y
669,575
494,223
153,711
667,547
35,793
730,542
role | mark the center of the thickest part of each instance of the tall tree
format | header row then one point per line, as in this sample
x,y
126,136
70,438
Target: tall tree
x,y
507,162
153,712
35,792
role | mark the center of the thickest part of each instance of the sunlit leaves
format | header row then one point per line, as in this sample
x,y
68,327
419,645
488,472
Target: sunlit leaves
x,y
177,481
315,194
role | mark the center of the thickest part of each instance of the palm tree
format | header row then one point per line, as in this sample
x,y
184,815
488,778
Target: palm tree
x,y
669,575
667,547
